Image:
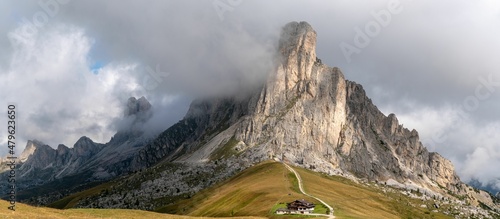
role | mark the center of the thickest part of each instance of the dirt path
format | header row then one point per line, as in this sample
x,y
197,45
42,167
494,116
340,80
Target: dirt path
x,y
301,188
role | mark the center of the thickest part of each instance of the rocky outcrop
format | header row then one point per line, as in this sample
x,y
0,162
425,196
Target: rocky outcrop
x,y
85,147
28,150
135,106
41,158
137,112
63,154
442,172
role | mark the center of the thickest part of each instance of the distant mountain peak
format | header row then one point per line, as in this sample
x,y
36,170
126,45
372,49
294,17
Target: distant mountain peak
x,y
86,147
83,140
30,148
62,147
135,106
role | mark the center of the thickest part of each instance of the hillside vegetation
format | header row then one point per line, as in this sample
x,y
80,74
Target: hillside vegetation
x,y
28,212
257,190
353,200
252,192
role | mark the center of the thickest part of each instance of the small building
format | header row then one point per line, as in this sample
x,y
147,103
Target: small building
x,y
300,206
282,211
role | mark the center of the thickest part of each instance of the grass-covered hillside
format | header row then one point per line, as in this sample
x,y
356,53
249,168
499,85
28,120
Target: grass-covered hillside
x,y
28,212
252,192
259,189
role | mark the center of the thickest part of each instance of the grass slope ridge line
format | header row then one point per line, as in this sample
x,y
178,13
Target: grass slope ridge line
x,y
299,180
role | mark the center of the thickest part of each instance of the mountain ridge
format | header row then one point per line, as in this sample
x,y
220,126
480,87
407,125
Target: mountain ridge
x,y
40,164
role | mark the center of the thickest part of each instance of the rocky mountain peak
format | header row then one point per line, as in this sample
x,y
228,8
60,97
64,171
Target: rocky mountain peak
x,y
135,106
62,147
292,74
297,47
29,149
41,154
85,147
136,113
84,140
298,40
392,123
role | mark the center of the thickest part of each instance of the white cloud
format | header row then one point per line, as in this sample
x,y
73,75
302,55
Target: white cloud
x,y
58,98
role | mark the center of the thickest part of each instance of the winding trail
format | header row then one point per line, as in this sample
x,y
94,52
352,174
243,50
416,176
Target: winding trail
x,y
301,188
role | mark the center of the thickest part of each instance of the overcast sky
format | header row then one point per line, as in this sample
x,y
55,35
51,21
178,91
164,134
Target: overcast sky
x,y
70,65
